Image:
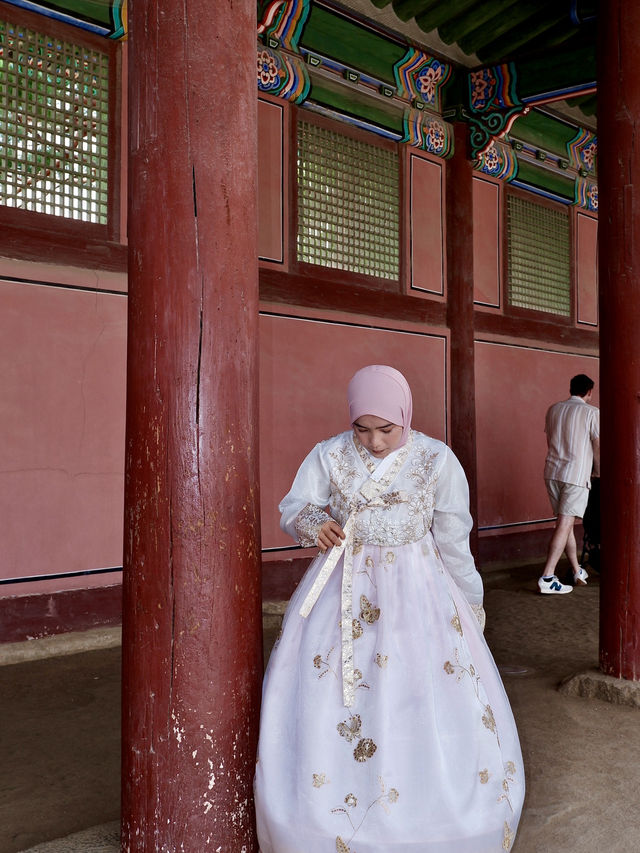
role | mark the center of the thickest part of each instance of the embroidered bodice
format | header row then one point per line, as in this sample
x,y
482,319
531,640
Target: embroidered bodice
x,y
398,510
423,488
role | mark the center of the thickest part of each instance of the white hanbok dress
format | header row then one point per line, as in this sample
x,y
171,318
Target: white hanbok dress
x,y
385,726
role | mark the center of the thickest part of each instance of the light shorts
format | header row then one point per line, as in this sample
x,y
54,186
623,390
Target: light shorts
x,y
567,498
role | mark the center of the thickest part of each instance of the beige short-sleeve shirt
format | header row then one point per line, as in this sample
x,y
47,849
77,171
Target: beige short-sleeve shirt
x,y
571,427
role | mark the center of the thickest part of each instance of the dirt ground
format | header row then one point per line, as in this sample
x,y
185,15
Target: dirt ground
x,y
59,735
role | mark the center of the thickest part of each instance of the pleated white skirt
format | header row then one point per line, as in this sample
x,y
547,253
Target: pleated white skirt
x,y
427,760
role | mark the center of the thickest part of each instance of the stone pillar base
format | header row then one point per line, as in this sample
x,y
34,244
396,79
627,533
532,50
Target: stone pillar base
x,y
594,684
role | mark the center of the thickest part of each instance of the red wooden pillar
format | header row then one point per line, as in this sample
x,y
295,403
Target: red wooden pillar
x,y
192,659
460,313
619,263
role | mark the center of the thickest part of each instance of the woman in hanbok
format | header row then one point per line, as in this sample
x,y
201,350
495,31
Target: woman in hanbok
x,y
385,726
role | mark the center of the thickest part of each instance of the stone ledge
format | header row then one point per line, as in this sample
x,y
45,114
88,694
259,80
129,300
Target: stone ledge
x,y
60,644
76,642
594,684
97,839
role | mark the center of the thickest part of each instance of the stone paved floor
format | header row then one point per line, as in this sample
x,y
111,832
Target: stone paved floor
x,y
59,735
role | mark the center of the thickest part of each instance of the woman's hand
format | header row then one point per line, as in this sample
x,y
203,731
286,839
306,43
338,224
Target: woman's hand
x,y
330,534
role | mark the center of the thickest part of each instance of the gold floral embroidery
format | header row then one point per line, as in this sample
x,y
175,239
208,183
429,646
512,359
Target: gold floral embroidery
x,y
509,835
357,629
323,663
389,558
351,730
456,624
360,684
385,799
368,612
478,612
382,660
364,455
509,773
373,524
369,564
364,750
308,523
484,776
460,672
320,779
488,719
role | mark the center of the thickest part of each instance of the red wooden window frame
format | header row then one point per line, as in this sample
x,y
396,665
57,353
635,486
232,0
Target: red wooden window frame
x,y
28,235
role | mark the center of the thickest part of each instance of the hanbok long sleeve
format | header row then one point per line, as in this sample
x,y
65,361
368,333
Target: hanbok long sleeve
x,y
385,725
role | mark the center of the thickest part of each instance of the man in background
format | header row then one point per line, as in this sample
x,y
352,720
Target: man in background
x,y
573,457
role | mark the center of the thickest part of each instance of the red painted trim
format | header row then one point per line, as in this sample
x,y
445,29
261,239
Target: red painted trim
x,y
292,188
285,173
114,203
344,129
536,326
573,266
581,215
460,314
69,247
28,617
481,178
337,293
518,546
406,254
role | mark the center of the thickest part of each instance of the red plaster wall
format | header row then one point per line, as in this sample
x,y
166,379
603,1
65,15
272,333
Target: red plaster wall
x,y
515,386
62,404
305,367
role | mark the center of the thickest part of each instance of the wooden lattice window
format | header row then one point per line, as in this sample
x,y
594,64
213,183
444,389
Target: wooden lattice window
x,y
348,203
54,135
539,275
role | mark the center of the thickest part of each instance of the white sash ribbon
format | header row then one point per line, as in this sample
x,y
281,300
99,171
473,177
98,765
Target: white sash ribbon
x,y
370,490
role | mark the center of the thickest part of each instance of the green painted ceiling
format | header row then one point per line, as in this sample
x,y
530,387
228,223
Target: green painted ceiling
x,y
104,17
498,30
551,40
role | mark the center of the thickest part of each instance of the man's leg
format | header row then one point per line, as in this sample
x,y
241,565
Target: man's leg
x,y
571,550
560,541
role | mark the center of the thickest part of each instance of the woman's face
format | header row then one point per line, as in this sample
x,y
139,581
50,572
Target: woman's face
x,y
379,437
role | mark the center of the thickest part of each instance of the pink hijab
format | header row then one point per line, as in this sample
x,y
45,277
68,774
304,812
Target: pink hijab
x,y
384,392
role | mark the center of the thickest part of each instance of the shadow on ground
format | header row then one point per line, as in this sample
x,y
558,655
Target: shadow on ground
x,y
61,717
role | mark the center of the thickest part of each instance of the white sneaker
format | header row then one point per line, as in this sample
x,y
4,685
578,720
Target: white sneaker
x,y
552,586
580,578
